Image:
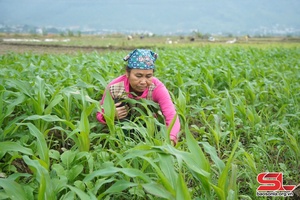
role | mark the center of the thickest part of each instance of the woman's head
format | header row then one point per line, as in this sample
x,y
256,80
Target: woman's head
x,y
140,69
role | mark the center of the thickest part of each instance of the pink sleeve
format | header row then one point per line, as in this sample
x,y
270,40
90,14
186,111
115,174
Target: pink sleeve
x,y
99,115
162,97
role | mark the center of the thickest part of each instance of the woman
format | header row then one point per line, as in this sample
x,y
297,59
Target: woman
x,y
139,82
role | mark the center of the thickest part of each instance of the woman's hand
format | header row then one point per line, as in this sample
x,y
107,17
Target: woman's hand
x,y
121,112
173,141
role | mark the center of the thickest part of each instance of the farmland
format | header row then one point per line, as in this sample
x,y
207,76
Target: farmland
x,y
239,107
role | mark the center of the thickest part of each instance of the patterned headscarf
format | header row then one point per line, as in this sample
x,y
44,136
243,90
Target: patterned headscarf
x,y
141,59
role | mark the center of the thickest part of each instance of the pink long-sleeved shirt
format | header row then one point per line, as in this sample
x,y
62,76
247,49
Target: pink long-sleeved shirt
x,y
160,95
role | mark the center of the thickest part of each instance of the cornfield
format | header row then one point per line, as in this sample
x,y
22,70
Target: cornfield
x,y
239,109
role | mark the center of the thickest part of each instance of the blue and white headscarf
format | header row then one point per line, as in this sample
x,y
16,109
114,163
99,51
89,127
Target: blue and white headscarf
x,y
141,59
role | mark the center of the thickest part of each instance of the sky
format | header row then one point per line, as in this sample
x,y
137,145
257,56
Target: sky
x,y
158,16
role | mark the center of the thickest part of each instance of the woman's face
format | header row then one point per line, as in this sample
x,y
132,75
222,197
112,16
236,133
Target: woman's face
x,y
140,79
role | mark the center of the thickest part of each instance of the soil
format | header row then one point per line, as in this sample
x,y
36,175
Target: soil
x,y
53,49
297,193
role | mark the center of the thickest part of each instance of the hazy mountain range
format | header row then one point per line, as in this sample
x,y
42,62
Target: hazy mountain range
x,y
156,16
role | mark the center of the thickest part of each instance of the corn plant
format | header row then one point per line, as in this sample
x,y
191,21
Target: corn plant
x,y
239,113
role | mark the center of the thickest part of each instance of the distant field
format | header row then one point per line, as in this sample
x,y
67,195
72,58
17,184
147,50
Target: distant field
x,y
59,44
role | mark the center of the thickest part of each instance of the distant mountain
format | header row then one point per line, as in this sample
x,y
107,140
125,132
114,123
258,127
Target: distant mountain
x,y
157,16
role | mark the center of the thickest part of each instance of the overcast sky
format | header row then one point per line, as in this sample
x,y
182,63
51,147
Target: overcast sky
x,y
155,15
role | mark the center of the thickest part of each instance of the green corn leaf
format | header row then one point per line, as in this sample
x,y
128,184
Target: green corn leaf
x,y
83,135
182,191
14,146
57,99
42,148
42,175
171,126
157,190
198,162
119,186
181,103
113,170
166,164
6,108
68,157
293,144
229,110
23,86
100,182
41,99
224,177
214,156
250,162
179,80
232,187
100,78
164,177
47,118
74,172
195,149
81,194
109,111
13,189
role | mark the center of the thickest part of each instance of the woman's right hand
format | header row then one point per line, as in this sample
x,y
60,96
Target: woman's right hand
x,y
121,111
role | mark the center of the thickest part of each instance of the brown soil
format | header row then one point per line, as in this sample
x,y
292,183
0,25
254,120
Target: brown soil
x,y
53,49
297,193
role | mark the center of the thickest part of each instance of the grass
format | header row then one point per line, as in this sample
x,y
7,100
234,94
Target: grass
x,y
239,112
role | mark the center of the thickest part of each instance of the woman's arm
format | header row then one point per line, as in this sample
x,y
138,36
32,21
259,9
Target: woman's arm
x,y
99,115
162,97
